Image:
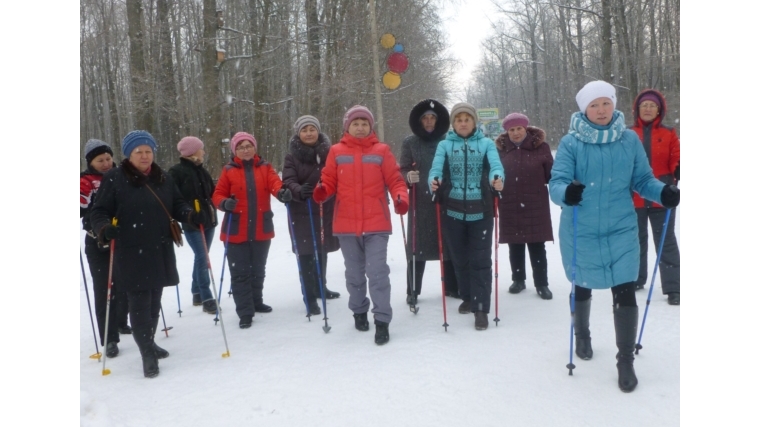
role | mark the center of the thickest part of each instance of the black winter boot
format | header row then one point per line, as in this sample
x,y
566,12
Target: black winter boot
x,y
626,324
246,322
517,287
464,307
160,352
381,333
582,333
544,292
143,336
360,321
112,350
125,330
197,300
260,307
209,306
314,308
481,320
330,294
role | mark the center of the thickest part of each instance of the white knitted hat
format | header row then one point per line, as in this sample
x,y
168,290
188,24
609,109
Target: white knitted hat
x,y
593,90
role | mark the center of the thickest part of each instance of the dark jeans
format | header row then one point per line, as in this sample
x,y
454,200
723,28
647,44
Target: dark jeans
x,y
247,263
537,253
670,260
310,276
201,280
623,295
98,261
470,248
449,277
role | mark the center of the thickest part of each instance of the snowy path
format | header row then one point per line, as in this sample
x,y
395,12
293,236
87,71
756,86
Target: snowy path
x,y
285,371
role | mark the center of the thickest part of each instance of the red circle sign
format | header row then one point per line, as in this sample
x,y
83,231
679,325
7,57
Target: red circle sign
x,y
397,62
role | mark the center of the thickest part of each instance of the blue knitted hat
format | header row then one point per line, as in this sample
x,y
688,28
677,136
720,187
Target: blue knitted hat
x,y
135,139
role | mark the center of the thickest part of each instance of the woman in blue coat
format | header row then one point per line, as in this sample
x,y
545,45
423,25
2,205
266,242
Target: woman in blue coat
x,y
598,163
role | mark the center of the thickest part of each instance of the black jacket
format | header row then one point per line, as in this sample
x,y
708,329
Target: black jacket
x,y
144,251
303,164
417,152
195,183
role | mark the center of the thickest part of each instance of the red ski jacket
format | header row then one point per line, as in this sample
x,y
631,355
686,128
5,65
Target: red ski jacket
x,y
251,182
661,144
358,171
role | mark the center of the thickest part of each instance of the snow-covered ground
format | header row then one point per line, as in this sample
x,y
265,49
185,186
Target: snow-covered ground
x,y
285,371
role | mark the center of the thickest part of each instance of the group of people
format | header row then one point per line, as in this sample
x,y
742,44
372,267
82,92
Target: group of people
x,y
452,180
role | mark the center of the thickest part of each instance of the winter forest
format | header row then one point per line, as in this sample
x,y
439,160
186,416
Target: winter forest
x,y
211,68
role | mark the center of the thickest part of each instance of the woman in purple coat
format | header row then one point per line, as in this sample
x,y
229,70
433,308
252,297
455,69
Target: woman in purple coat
x,y
524,217
307,153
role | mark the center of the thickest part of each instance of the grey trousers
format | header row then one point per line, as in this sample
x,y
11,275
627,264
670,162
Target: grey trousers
x,y
366,261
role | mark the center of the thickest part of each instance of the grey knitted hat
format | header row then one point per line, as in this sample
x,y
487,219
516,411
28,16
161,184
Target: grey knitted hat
x,y
95,147
464,107
305,121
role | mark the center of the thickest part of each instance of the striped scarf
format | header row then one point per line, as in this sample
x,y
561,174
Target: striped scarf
x,y
584,130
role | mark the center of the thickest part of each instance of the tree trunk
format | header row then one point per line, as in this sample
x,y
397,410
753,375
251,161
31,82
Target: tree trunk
x,y
213,133
606,39
141,100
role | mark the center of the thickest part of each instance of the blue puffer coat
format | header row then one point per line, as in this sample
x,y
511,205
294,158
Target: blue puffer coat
x,y
611,162
466,167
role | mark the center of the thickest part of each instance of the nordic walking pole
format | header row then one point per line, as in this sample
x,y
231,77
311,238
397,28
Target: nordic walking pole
x,y
570,365
440,256
654,274
112,244
317,260
89,308
496,258
224,262
166,329
414,307
298,260
213,285
179,306
226,243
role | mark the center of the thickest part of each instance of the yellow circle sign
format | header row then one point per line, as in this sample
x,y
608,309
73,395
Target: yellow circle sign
x,y
391,80
387,40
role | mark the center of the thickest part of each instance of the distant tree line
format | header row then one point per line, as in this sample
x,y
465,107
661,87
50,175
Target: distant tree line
x,y
541,52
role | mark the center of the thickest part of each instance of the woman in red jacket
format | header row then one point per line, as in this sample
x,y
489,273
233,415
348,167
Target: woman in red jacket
x,y
524,218
243,192
664,152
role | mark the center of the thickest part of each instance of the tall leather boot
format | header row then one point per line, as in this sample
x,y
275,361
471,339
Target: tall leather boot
x,y
143,335
582,333
160,352
626,325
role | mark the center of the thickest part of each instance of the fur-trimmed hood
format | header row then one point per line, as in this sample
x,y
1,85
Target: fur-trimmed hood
x,y
308,154
441,124
533,138
137,178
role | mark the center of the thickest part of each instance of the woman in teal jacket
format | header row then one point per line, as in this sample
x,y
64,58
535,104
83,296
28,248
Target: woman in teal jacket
x,y
598,163
466,166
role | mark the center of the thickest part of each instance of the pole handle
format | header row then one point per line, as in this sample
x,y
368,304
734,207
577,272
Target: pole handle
x,y
114,221
197,205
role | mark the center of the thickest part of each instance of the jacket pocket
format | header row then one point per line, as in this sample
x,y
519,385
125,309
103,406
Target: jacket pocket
x,y
231,224
268,224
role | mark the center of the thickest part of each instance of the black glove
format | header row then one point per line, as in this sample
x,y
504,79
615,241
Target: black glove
x,y
197,218
306,191
677,172
229,205
670,196
574,193
284,195
109,232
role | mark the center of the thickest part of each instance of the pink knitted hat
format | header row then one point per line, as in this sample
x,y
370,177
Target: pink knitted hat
x,y
240,137
189,145
358,112
515,119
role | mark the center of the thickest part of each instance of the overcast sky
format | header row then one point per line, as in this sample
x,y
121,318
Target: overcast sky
x,y
467,24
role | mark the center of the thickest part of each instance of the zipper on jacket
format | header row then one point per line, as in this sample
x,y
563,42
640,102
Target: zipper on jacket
x,y
464,205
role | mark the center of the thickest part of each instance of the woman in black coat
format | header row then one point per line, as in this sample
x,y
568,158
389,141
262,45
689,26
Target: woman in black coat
x,y
429,122
195,183
141,197
307,153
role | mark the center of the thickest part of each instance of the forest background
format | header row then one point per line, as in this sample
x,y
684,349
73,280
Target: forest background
x,y
211,68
